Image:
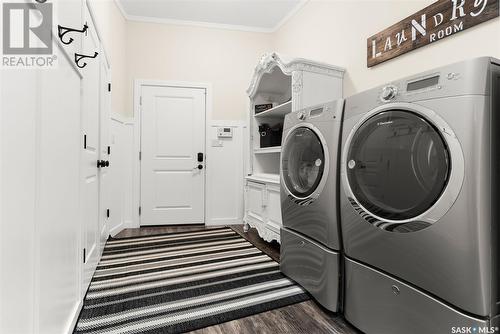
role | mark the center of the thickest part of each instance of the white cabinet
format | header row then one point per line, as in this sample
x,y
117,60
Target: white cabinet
x,y
256,201
41,232
263,207
287,85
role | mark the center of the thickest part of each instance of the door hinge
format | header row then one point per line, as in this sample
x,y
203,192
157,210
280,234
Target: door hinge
x,y
84,251
109,87
139,211
107,213
109,150
140,155
140,100
85,141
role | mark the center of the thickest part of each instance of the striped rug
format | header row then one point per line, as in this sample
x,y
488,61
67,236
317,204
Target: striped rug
x,y
179,282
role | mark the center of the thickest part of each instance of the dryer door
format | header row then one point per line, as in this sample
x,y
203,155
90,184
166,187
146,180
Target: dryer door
x,y
398,165
304,164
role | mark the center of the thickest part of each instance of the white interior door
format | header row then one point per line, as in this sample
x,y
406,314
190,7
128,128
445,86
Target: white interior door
x,y
105,150
90,155
172,143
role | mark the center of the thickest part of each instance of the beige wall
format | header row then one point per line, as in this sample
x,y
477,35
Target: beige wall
x,y
112,28
224,58
336,31
332,31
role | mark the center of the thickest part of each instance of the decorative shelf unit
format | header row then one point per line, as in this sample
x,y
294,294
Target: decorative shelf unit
x,y
289,85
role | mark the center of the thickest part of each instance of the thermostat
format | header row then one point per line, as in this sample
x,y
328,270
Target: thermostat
x,y
225,132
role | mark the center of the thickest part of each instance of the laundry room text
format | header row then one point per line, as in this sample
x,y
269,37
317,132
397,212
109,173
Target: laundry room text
x,y
433,23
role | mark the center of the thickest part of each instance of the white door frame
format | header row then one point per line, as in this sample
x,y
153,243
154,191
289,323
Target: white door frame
x,y
138,84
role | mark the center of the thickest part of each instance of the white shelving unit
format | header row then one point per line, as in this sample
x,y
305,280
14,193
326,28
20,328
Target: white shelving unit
x,y
272,149
279,111
290,85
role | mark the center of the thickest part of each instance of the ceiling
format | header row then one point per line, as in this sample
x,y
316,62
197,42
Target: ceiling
x,y
248,15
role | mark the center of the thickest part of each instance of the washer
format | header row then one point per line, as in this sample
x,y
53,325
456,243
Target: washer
x,y
419,213
310,242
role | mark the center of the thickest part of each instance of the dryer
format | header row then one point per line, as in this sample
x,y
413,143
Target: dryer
x,y
310,238
419,202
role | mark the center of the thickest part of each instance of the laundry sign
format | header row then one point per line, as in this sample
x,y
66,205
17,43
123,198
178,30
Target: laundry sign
x,y
433,23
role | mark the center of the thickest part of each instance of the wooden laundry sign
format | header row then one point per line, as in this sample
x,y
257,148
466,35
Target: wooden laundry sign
x,y
433,23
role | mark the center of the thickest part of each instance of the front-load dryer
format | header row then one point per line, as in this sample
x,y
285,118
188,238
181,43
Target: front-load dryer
x,y
419,202
310,238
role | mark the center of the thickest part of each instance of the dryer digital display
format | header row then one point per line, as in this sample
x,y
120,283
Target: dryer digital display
x,y
421,84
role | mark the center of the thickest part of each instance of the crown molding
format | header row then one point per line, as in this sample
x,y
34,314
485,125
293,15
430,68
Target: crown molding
x,y
197,24
290,15
147,19
122,10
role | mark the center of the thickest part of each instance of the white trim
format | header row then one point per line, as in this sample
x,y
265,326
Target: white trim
x,y
117,229
98,31
224,221
128,224
290,14
213,25
121,9
145,19
76,315
230,123
120,118
138,83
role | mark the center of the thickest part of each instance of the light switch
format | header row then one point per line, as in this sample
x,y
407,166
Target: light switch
x,y
217,143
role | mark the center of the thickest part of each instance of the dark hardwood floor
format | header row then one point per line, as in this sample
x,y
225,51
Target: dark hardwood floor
x,y
306,317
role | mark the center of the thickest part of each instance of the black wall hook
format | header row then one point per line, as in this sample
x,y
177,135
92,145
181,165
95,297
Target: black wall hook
x,y
79,57
64,30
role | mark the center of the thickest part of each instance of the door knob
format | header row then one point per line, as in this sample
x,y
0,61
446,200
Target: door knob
x,y
200,166
102,163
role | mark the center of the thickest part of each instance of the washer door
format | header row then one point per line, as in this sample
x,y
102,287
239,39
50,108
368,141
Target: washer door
x,y
304,161
398,165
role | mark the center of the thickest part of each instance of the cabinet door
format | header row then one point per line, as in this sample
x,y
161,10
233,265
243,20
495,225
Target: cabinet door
x,y
255,200
90,155
59,146
104,154
273,208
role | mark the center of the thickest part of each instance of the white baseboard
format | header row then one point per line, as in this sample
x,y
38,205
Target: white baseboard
x,y
117,229
76,314
224,221
130,224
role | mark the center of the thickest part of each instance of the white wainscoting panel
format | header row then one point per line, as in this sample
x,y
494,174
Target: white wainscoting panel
x,y
121,174
225,167
18,111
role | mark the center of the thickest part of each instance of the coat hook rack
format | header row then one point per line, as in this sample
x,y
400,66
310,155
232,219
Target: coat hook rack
x,y
79,57
64,30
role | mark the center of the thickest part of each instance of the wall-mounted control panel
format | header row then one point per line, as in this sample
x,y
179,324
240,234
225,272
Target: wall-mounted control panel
x,y
225,132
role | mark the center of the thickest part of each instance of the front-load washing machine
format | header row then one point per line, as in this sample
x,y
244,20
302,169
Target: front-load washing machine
x,y
419,202
310,238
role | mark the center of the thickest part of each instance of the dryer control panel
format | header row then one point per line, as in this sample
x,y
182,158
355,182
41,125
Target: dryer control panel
x,y
388,93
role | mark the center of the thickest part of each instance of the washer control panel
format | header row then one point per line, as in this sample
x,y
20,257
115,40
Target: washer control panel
x,y
302,115
388,93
